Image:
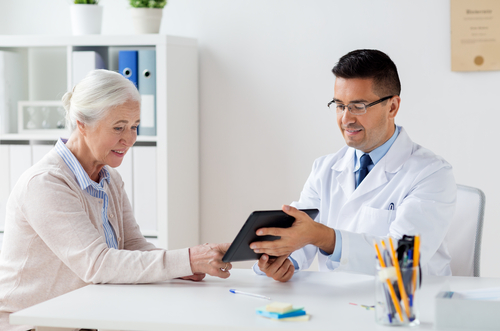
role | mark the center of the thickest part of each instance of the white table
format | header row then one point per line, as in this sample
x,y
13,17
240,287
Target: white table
x,y
208,305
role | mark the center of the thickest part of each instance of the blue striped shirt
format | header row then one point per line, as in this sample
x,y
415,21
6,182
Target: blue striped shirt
x,y
94,189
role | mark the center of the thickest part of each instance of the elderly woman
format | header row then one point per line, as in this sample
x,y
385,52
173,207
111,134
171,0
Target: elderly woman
x,y
69,222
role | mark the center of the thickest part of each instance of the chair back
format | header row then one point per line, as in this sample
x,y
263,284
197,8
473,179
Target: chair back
x,y
465,233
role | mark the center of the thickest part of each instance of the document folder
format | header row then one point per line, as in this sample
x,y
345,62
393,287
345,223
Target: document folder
x,y
127,65
147,88
84,62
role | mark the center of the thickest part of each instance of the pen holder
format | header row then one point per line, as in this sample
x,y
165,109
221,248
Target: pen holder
x,y
394,307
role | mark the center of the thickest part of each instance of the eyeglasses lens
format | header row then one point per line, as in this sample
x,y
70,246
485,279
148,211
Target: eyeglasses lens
x,y
357,108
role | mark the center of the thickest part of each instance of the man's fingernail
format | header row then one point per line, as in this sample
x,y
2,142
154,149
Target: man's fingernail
x,y
287,208
256,250
259,232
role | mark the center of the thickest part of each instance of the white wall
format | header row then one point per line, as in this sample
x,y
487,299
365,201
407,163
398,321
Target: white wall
x,y
265,80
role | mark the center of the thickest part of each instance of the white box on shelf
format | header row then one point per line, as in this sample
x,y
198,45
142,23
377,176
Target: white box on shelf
x,y
42,117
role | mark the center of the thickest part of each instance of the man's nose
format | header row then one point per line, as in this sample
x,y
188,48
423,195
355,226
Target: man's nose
x,y
347,117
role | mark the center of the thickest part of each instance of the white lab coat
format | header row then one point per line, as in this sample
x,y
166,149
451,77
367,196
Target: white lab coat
x,y
420,186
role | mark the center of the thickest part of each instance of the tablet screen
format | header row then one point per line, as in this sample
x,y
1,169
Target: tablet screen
x,y
240,248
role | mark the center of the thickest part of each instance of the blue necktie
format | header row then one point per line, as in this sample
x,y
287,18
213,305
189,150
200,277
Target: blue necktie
x,y
364,162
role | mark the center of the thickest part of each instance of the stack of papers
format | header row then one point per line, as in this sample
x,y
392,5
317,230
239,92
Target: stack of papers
x,y
281,311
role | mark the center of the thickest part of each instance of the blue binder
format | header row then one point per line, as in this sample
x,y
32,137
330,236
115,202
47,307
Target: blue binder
x,y
147,88
127,65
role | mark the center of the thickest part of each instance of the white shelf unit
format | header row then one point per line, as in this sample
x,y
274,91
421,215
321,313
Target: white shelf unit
x,y
48,62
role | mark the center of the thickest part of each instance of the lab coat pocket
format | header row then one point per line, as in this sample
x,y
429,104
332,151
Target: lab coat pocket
x,y
375,221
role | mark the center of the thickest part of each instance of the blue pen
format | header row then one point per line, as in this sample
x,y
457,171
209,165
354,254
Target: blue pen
x,y
250,294
391,206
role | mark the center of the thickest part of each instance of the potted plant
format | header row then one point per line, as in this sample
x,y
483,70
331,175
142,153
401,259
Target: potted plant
x,y
146,15
86,17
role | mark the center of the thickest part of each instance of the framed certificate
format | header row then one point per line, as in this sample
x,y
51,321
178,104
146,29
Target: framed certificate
x,y
475,35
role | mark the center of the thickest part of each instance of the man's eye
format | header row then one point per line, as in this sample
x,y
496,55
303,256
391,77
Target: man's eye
x,y
118,128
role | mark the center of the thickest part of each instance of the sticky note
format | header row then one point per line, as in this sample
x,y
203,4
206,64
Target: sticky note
x,y
303,318
293,313
279,307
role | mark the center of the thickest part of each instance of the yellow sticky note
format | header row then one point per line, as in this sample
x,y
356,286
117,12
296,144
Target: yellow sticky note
x,y
279,307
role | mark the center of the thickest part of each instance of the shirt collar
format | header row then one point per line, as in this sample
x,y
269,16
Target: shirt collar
x,y
74,165
378,153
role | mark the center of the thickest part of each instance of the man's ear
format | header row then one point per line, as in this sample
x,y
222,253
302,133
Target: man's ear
x,y
395,103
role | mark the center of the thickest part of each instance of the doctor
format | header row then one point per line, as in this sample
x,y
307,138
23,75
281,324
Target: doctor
x,y
380,185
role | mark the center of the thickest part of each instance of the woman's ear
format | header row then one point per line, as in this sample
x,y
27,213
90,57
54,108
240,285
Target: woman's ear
x,y
82,128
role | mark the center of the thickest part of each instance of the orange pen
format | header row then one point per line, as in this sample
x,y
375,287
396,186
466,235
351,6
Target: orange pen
x,y
389,285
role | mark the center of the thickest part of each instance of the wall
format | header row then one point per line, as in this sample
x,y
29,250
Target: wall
x,y
265,80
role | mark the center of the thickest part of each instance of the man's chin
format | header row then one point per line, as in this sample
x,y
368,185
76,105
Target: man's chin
x,y
351,143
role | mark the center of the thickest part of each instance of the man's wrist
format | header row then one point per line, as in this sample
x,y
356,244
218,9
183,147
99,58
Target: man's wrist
x,y
325,238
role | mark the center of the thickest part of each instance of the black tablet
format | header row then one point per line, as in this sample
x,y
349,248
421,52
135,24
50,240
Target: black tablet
x,y
240,248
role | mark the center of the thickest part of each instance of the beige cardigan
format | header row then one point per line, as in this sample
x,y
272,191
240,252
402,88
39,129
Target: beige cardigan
x,y
54,240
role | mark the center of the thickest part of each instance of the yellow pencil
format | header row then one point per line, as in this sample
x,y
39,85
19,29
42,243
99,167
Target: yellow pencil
x,y
401,286
416,257
389,285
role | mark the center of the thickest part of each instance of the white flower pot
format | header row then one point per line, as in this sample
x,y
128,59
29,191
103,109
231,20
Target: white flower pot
x,y
146,20
86,19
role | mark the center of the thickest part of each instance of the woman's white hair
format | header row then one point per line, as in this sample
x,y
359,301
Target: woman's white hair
x,y
94,95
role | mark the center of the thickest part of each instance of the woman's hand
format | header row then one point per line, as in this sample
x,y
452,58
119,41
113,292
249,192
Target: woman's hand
x,y
207,259
195,278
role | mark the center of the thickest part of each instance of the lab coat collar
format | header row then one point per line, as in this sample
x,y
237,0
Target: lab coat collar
x,y
346,168
399,153
390,163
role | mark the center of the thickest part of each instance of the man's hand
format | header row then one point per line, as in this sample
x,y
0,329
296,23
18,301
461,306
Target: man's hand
x,y
280,268
304,231
207,259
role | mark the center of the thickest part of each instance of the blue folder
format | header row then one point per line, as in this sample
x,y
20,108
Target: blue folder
x,y
127,65
147,88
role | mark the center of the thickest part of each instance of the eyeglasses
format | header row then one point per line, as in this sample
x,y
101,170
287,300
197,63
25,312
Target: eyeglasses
x,y
356,108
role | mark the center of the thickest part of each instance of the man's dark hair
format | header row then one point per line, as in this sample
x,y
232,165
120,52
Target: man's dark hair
x,y
370,63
